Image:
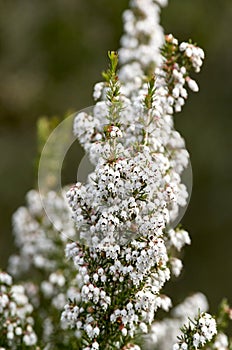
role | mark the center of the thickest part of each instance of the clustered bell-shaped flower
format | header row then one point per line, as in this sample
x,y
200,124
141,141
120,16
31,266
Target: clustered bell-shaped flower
x,y
197,333
16,327
163,333
143,35
125,210
34,232
41,251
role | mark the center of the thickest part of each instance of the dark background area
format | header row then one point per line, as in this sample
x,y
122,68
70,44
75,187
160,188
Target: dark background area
x,y
51,54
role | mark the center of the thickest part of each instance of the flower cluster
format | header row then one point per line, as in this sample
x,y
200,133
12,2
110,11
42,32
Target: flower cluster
x,y
164,333
221,342
41,251
35,235
16,327
194,54
143,37
197,333
127,196
127,247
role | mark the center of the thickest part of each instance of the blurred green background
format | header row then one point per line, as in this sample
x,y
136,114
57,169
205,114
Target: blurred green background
x,y
51,54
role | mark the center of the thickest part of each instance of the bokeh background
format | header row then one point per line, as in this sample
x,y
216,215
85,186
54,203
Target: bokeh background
x,y
51,54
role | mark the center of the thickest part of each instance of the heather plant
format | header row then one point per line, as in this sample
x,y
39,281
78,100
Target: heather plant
x,y
16,319
98,282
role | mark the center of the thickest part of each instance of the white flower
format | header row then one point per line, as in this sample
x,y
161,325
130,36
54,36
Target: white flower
x,y
98,90
143,327
124,331
221,342
176,347
196,339
95,346
176,266
192,85
15,311
30,339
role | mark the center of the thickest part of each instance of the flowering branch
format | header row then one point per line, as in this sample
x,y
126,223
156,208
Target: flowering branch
x,y
125,245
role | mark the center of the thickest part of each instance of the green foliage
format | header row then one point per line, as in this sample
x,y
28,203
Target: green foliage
x,y
149,98
113,88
